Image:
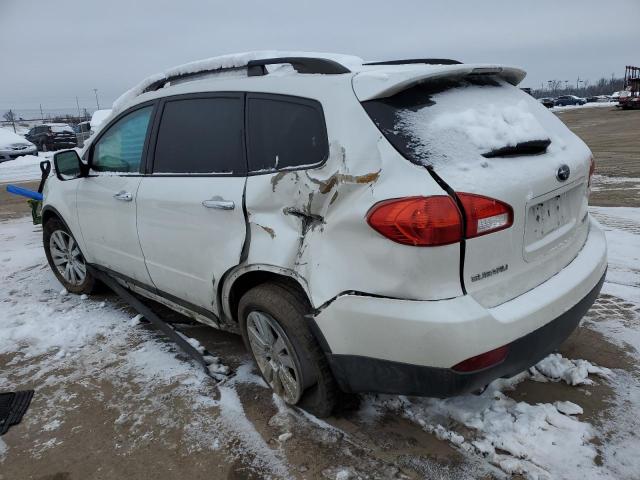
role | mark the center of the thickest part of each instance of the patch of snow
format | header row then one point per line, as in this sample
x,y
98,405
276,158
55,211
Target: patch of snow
x,y
572,372
568,408
586,105
23,168
284,437
99,117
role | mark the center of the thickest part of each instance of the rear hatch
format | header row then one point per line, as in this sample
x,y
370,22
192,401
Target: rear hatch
x,y
480,134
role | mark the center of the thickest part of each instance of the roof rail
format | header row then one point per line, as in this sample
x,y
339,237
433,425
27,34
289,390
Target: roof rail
x,y
427,61
256,68
157,85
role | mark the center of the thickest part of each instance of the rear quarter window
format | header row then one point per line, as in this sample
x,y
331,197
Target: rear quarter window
x,y
285,133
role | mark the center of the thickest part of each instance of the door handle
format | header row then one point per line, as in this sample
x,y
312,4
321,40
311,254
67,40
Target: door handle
x,y
124,196
219,203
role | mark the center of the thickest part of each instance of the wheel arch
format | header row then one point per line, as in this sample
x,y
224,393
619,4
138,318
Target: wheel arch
x,y
241,280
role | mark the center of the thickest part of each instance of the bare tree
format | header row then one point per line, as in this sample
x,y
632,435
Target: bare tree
x,y
9,116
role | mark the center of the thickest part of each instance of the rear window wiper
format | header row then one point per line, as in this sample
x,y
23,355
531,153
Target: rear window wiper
x,y
532,147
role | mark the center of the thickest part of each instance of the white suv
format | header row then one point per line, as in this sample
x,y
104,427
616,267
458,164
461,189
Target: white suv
x,y
416,227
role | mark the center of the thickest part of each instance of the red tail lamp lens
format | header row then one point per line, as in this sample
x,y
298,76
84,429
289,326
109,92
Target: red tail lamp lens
x,y
482,361
418,221
484,215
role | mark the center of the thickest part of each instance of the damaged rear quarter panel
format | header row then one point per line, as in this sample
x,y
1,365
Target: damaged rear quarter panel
x,y
312,222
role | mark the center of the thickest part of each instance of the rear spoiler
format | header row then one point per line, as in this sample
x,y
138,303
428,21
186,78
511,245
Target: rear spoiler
x,y
387,81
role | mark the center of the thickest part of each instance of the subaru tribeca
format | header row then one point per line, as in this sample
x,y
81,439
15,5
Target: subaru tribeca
x,y
415,227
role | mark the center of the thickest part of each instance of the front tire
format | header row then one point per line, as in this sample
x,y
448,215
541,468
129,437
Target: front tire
x,y
275,331
65,258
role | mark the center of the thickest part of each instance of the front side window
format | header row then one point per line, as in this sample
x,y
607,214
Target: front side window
x,y
284,132
201,136
120,148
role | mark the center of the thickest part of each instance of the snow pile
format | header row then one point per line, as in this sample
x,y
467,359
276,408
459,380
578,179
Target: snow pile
x,y
235,60
572,372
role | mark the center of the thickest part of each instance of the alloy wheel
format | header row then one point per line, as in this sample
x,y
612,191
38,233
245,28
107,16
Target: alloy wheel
x,y
275,356
67,257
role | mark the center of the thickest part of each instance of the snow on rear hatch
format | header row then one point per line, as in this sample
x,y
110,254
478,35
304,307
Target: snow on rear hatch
x,y
484,136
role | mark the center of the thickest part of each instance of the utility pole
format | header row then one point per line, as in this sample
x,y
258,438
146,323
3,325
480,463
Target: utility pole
x,y
95,90
78,105
41,114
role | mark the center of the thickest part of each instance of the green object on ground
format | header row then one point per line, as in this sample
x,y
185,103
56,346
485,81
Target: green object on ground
x,y
36,211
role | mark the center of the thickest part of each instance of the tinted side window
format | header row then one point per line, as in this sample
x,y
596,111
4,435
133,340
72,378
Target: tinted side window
x,y
285,132
201,135
120,148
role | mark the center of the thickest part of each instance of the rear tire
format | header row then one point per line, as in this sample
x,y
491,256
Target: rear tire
x,y
65,258
274,310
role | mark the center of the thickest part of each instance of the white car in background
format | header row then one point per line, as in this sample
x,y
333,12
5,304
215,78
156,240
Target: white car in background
x,y
413,227
13,146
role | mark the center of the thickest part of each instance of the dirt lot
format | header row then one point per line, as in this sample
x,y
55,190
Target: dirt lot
x,y
94,417
614,138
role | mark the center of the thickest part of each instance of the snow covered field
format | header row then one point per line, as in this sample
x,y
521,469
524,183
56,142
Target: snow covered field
x,y
68,347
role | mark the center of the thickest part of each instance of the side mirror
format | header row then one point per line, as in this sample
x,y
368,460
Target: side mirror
x,y
68,165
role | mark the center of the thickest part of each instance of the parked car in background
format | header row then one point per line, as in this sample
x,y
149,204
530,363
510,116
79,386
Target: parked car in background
x,y
564,100
547,102
356,240
83,131
52,136
98,118
13,146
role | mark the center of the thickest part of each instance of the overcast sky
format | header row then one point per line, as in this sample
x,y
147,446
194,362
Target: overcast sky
x,y
51,51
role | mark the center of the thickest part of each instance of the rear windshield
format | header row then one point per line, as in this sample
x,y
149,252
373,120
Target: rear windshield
x,y
456,121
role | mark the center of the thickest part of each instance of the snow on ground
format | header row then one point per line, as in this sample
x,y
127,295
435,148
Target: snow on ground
x,y
586,105
65,340
23,168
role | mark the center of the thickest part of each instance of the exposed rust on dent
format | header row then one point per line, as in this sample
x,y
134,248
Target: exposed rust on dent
x,y
269,230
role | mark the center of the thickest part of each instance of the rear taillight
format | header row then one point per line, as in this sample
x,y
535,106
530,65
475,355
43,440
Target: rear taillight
x,y
592,169
436,220
482,361
484,215
418,221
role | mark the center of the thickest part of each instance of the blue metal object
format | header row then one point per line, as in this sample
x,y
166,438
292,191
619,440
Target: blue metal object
x,y
24,192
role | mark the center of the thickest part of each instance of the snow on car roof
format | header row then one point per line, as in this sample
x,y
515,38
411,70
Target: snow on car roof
x,y
98,118
235,60
371,81
7,137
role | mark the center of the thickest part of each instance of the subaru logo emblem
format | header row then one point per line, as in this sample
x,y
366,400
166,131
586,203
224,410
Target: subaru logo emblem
x,y
563,173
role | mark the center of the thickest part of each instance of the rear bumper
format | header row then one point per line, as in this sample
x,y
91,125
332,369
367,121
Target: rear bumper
x,y
407,347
